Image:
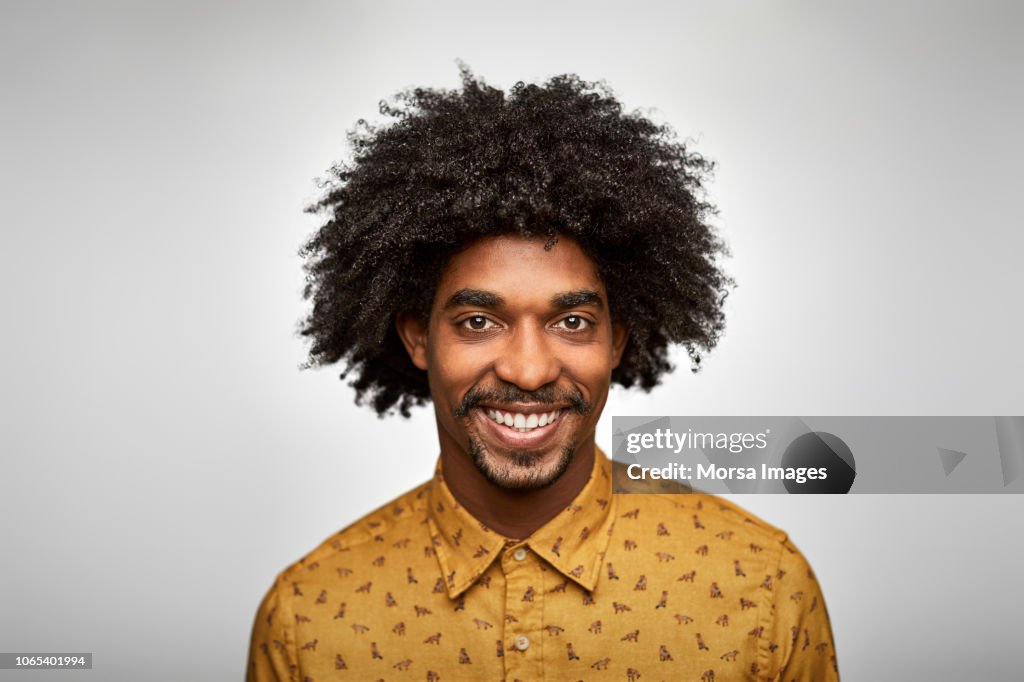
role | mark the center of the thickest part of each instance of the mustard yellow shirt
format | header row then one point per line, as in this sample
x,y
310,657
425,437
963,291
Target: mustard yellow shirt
x,y
631,587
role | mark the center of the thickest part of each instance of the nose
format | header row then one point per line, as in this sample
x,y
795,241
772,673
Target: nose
x,y
529,359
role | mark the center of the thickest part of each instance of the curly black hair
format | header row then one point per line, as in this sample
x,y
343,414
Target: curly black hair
x,y
451,166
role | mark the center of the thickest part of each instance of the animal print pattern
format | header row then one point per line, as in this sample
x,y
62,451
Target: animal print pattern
x,y
630,587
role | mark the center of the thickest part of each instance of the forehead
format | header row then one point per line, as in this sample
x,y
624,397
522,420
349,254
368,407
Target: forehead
x,y
511,264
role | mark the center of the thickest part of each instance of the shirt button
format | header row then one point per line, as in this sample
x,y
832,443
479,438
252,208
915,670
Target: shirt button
x,y
519,555
522,642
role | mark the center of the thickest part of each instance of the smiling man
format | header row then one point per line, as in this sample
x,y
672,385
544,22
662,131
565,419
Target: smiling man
x,y
519,350
508,257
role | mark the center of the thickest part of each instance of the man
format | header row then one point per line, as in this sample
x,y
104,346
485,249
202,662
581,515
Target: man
x,y
508,257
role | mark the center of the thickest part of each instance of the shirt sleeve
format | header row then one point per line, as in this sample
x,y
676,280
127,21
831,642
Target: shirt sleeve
x,y
272,646
802,635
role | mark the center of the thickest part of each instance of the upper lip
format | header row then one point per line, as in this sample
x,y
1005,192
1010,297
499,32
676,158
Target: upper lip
x,y
523,408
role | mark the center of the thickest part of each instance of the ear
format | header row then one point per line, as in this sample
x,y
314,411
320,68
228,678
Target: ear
x,y
413,333
620,335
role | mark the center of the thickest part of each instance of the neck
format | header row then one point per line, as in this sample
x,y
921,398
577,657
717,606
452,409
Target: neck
x,y
515,514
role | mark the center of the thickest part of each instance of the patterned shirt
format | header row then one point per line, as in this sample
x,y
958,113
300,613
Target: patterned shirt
x,y
616,587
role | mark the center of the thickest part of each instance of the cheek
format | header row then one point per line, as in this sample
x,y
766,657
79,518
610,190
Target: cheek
x,y
590,365
454,368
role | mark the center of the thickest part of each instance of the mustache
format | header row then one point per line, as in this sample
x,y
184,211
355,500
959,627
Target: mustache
x,y
508,393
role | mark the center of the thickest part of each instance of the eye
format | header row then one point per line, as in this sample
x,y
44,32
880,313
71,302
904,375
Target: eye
x,y
573,323
477,323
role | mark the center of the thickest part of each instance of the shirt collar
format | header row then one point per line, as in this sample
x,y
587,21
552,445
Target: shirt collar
x,y
574,542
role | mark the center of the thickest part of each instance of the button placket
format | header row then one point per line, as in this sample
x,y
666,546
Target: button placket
x,y
524,602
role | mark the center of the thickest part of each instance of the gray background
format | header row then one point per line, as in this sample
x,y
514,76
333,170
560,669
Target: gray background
x,y
162,456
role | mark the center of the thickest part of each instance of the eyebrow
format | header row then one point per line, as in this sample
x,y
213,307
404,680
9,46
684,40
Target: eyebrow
x,y
478,298
574,299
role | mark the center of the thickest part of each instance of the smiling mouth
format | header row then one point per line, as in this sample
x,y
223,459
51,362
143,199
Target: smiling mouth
x,y
520,421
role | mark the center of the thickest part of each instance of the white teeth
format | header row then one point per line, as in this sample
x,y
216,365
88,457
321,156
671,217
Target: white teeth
x,y
522,422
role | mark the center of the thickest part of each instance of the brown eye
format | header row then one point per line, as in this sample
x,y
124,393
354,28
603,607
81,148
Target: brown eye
x,y
477,323
574,323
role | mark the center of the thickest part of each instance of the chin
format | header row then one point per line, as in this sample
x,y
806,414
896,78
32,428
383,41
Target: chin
x,y
521,469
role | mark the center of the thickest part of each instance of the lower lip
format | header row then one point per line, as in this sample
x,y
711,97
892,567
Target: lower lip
x,y
509,437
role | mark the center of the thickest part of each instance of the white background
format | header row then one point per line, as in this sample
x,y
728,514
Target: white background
x,y
163,457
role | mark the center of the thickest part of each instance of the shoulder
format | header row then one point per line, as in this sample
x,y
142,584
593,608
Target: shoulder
x,y
365,536
701,510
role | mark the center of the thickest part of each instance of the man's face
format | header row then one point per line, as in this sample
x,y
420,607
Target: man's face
x,y
519,351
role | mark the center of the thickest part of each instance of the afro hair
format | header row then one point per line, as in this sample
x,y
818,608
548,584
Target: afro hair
x,y
451,166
